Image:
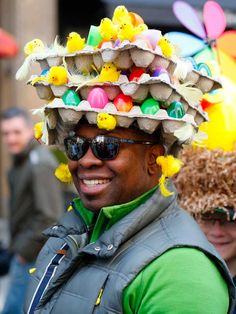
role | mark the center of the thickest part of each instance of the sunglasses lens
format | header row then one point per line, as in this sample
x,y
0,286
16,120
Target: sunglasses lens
x,y
105,148
76,148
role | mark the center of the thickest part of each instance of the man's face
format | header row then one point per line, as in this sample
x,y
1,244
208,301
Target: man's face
x,y
16,134
112,182
222,234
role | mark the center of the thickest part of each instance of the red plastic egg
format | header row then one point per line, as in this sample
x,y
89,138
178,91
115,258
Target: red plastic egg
x,y
123,103
136,74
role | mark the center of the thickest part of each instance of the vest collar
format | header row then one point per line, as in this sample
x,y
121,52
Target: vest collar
x,y
109,215
108,243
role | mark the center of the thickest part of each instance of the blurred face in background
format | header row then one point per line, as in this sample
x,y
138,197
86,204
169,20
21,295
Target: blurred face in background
x,y
16,134
222,234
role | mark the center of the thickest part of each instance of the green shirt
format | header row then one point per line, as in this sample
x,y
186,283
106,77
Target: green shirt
x,y
181,281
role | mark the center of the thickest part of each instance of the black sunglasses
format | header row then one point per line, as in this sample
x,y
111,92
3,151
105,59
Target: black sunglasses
x,y
103,147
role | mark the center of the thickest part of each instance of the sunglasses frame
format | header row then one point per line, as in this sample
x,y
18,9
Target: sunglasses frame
x,y
92,142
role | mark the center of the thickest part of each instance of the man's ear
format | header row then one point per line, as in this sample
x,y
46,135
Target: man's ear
x,y
154,152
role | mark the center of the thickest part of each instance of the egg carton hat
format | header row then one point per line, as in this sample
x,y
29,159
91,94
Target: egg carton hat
x,y
206,182
123,75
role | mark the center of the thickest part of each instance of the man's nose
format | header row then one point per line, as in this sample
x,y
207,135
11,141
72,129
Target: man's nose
x,y
90,160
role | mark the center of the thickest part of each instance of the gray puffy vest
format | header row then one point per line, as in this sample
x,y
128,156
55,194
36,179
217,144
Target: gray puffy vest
x,y
75,276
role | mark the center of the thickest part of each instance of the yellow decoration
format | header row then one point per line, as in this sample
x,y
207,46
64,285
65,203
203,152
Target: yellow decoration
x,y
75,42
107,29
121,15
221,129
69,208
227,65
57,75
169,167
106,121
33,46
63,173
126,31
166,47
109,73
32,270
38,130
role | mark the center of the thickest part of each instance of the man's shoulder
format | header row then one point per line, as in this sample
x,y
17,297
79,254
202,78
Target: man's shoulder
x,y
40,156
181,275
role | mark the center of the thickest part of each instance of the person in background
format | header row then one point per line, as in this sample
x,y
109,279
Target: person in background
x,y
206,186
35,200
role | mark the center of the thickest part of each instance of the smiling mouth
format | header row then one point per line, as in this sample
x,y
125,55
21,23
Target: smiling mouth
x,y
94,182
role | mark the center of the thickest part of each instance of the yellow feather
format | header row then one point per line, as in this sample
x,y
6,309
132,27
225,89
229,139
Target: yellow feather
x,y
63,173
169,167
193,95
38,130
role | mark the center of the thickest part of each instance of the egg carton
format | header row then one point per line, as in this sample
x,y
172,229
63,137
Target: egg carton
x,y
160,90
72,114
47,91
60,119
123,56
205,83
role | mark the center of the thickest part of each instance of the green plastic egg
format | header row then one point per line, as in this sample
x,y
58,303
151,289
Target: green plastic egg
x,y
150,106
176,110
70,98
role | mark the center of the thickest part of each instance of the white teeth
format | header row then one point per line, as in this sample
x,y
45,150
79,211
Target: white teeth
x,y
95,182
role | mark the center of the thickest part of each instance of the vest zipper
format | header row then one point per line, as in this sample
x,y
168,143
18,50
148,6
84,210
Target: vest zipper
x,y
99,296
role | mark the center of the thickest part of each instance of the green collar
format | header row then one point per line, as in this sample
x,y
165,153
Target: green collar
x,y
109,215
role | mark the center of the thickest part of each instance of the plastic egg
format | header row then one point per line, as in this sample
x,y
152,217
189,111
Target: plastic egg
x,y
123,103
136,19
71,98
136,74
97,98
176,110
150,106
153,36
44,72
162,74
94,37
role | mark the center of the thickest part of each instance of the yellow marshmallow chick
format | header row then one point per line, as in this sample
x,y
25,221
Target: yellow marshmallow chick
x,y
75,42
166,47
126,31
57,75
121,15
107,29
34,46
109,73
106,121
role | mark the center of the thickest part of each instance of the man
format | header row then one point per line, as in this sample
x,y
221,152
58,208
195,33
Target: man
x,y
35,200
124,246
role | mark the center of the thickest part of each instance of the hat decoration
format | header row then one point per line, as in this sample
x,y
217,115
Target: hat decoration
x,y
123,74
206,183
